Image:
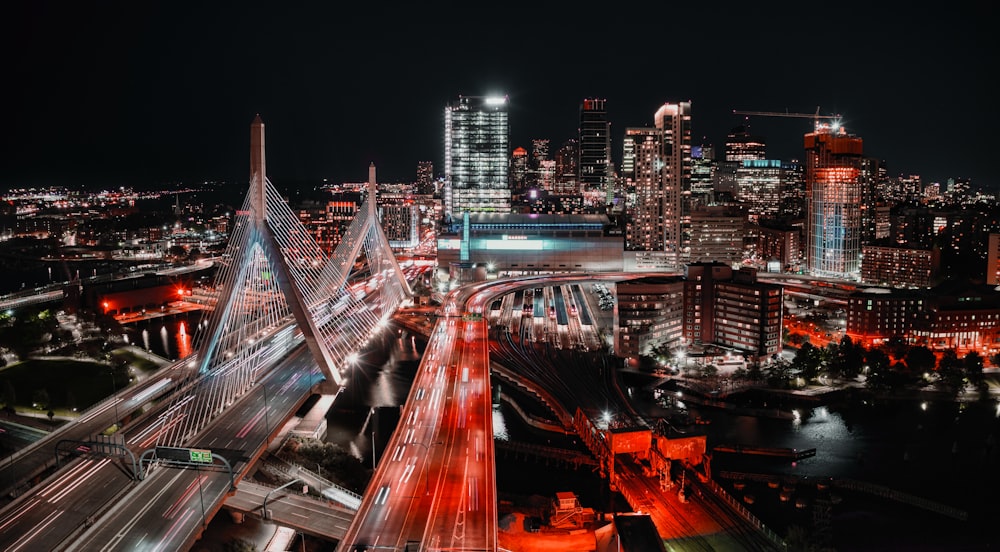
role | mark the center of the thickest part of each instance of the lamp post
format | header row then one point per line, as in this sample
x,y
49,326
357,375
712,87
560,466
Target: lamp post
x,y
265,515
204,518
427,476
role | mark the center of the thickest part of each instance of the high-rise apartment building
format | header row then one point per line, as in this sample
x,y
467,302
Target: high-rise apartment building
x,y
519,170
674,122
567,180
632,135
899,266
702,173
872,177
644,227
476,151
425,178
594,167
833,202
660,162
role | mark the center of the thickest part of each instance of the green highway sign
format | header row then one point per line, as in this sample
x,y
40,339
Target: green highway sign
x,y
201,456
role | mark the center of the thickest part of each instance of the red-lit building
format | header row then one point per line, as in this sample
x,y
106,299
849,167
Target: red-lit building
x,y
710,305
833,202
950,316
732,309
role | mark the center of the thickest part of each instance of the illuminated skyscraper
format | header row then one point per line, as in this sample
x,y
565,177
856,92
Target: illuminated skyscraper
x,y
644,226
567,181
993,260
766,187
425,177
476,138
519,170
659,160
741,145
702,173
833,202
674,122
594,167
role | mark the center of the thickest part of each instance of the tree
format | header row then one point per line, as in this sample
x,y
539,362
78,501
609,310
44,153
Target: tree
x,y
920,359
9,395
778,373
177,252
846,359
973,367
240,545
951,373
40,398
896,347
807,361
878,370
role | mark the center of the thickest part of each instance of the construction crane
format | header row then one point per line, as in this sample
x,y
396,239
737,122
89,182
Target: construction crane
x,y
816,117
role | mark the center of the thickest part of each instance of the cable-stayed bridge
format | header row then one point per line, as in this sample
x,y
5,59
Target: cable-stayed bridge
x,y
275,291
276,288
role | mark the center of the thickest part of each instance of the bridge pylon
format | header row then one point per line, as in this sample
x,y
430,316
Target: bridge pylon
x,y
277,288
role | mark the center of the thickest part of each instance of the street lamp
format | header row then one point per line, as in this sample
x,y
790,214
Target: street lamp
x,y
427,476
265,515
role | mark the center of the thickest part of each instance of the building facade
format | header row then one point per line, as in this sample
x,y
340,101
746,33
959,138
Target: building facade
x,y
761,186
717,234
519,243
899,266
649,314
476,150
833,202
660,158
953,315
731,309
993,260
709,306
595,148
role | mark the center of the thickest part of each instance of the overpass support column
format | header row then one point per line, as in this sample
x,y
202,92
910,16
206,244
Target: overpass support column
x,y
237,516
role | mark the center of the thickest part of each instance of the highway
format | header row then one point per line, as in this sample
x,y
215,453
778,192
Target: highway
x,y
435,485
105,497
100,476
168,509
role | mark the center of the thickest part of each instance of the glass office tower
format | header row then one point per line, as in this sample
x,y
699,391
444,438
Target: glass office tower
x,y
833,202
476,150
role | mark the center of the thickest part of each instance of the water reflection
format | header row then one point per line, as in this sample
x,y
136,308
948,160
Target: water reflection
x,y
174,343
183,341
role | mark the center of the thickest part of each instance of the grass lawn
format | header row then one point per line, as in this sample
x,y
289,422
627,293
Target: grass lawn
x,y
69,383
141,364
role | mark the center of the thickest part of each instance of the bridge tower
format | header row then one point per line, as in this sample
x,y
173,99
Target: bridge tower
x,y
275,289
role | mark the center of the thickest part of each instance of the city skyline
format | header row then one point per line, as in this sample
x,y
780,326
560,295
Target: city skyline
x,y
124,94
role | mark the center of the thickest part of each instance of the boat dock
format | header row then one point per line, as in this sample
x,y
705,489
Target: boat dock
x,y
790,453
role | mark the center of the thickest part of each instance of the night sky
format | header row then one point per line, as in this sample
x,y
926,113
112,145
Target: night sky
x,y
144,93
